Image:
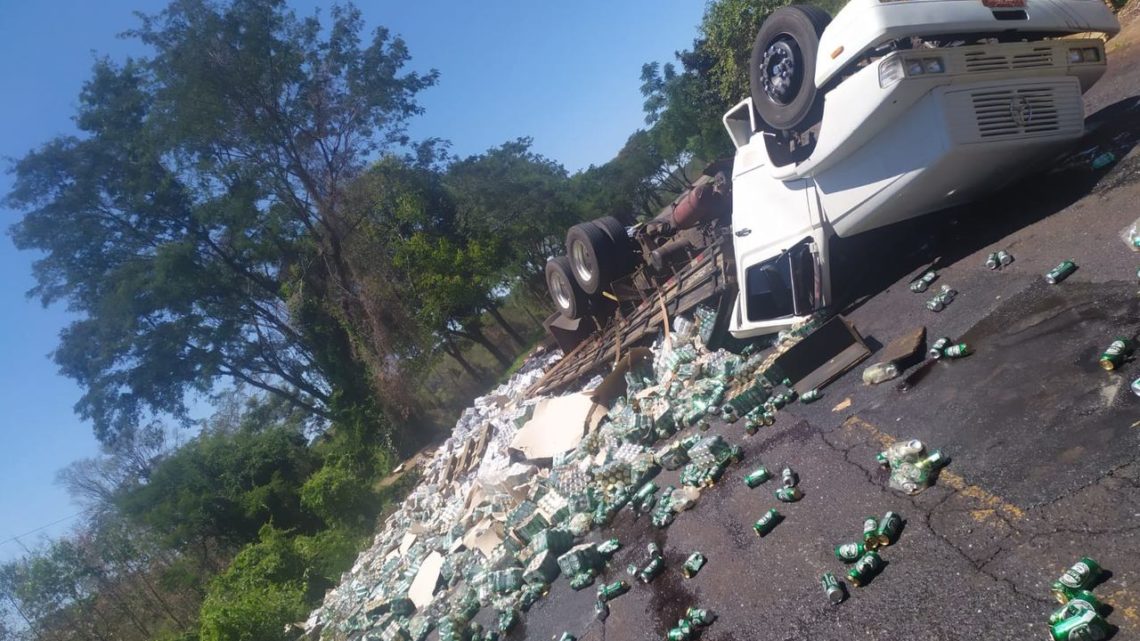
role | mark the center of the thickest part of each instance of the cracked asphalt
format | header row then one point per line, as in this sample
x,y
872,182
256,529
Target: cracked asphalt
x,y
1044,444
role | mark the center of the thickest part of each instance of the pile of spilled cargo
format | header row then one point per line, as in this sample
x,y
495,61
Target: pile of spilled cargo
x,y
526,487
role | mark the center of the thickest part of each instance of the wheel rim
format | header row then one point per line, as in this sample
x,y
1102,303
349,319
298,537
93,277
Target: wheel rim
x,y
580,254
560,288
782,70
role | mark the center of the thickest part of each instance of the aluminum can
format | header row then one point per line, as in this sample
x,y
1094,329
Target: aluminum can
x,y
810,396
871,532
865,568
1080,576
653,548
693,564
612,590
935,304
883,461
936,348
1114,355
992,261
788,477
831,588
757,477
1071,609
1060,272
889,529
1004,258
655,566
849,552
1086,626
766,523
932,461
1136,387
700,616
789,494
922,283
957,351
678,634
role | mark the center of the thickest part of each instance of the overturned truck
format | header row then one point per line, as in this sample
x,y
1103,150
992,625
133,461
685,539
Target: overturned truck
x,y
892,110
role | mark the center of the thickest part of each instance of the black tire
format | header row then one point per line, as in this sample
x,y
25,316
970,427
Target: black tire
x,y
782,69
592,257
624,257
564,291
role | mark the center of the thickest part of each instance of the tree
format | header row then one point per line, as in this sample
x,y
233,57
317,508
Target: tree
x,y
194,224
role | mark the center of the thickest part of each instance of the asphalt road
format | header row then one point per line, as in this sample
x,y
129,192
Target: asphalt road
x,y
1044,444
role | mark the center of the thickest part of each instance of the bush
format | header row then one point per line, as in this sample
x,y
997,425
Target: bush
x,y
340,494
261,592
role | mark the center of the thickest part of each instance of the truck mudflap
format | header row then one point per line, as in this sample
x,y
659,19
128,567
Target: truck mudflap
x,y
711,274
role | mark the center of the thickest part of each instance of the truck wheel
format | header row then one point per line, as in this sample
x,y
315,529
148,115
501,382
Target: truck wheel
x,y
782,69
624,258
592,257
567,297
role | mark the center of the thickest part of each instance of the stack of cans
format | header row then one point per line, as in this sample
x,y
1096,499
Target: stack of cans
x,y
1079,616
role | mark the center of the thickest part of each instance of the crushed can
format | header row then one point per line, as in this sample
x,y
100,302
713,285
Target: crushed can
x,y
850,552
810,396
789,494
939,345
788,477
1086,626
922,283
1076,605
693,564
700,617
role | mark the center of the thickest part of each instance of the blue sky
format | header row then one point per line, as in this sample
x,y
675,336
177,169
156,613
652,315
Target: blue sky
x,y
564,73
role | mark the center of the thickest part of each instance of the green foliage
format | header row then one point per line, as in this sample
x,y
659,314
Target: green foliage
x,y
262,591
329,553
200,194
224,486
340,495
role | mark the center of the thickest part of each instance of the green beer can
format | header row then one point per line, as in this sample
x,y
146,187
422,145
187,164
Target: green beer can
x,y
612,591
789,494
871,532
832,588
693,564
701,617
1114,355
849,552
766,523
757,477
889,529
651,570
865,568
959,350
1086,626
1080,576
1060,272
1074,607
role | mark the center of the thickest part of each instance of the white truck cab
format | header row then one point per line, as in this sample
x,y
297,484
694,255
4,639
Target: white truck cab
x,y
894,109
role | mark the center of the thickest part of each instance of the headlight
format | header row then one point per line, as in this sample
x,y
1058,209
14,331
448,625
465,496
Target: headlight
x,y
1087,54
890,71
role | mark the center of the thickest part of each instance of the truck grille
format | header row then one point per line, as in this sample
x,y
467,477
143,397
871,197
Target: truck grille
x,y
982,60
1005,112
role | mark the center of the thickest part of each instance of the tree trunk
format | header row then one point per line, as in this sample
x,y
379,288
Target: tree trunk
x,y
452,350
494,312
477,335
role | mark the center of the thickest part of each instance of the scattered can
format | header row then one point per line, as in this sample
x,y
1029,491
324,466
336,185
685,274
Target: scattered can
x,y
932,461
632,569
889,529
601,610
1136,387
871,532
612,591
1117,351
939,345
1076,605
788,477
850,552
766,523
922,283
935,304
789,494
959,350
651,570
1004,258
865,568
683,631
883,461
992,261
1086,626
832,588
810,396
757,477
1060,272
653,548
693,564
700,616
1080,576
